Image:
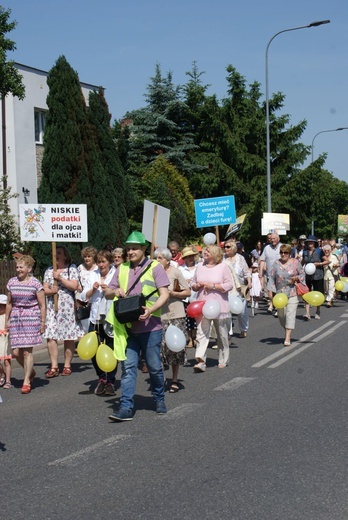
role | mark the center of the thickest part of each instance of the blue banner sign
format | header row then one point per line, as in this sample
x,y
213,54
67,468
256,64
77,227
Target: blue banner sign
x,y
218,211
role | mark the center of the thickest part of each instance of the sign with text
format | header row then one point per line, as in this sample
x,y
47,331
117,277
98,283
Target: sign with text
x,y
275,222
235,227
218,211
342,224
53,222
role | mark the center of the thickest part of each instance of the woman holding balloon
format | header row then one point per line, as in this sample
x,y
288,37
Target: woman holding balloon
x,y
173,313
285,273
212,280
93,291
188,269
314,263
240,267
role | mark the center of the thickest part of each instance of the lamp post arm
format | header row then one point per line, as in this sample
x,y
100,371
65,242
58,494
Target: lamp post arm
x,y
324,132
268,146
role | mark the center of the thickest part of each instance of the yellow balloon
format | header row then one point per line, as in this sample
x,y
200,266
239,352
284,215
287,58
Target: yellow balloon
x,y
315,298
343,279
339,285
280,300
105,359
87,346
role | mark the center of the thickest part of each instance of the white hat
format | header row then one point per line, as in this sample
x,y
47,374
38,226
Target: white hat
x,y
3,299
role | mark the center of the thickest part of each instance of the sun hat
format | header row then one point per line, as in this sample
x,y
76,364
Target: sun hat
x,y
3,299
187,251
312,238
302,237
136,237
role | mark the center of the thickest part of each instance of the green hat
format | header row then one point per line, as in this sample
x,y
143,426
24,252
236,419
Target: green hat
x,y
137,238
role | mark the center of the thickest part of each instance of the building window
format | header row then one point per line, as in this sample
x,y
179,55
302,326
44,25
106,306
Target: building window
x,y
40,122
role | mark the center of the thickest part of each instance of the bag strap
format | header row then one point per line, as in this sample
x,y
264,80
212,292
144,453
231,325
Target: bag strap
x,y
138,278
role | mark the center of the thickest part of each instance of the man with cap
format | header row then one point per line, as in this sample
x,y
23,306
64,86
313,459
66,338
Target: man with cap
x,y
144,335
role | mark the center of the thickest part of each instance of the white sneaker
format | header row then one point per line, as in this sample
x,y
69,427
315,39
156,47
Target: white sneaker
x,y
317,317
200,367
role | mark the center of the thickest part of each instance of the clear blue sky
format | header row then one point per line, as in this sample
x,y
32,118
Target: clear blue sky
x,y
117,44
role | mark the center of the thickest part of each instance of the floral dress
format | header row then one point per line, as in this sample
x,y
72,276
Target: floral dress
x,y
62,325
25,317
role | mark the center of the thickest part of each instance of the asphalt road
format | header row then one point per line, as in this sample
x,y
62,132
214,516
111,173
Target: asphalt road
x,y
264,439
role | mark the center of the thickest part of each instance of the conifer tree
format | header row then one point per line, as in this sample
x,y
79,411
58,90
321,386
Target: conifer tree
x,y
111,193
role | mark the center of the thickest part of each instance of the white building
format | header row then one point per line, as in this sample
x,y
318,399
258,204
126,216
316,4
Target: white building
x,y
22,124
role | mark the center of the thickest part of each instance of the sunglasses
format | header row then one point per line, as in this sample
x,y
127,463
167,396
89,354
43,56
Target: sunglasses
x,y
227,247
284,253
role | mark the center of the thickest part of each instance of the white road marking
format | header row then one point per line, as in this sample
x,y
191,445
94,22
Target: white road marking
x,y
234,383
304,347
344,316
182,410
293,345
74,457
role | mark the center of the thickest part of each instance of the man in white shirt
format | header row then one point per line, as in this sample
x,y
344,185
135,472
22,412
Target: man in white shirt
x,y
269,255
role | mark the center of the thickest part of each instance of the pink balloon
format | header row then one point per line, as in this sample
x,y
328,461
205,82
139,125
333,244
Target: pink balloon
x,y
194,309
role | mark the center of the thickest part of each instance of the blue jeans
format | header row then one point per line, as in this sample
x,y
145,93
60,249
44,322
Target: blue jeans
x,y
150,345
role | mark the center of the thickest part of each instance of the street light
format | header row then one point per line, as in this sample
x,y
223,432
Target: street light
x,y
268,148
323,132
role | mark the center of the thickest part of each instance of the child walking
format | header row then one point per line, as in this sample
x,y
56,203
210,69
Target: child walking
x,y
255,290
5,355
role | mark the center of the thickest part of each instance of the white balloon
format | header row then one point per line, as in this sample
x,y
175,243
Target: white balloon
x,y
211,309
236,304
209,239
345,288
310,269
175,339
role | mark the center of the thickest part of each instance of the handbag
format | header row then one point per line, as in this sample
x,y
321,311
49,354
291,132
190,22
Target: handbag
x,y
83,312
301,288
128,308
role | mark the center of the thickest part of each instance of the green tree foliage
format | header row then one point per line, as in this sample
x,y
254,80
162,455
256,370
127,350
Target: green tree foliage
x,y
10,79
219,146
110,188
164,185
9,232
80,163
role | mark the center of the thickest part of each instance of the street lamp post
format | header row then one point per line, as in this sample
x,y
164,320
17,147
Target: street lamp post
x,y
323,132
268,148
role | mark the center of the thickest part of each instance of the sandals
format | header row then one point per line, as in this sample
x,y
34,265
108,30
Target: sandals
x,y
287,343
7,386
32,375
66,371
26,389
52,372
174,387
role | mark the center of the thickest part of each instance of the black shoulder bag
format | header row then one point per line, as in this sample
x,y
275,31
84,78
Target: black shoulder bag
x,y
129,308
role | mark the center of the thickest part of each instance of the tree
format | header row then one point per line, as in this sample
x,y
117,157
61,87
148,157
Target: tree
x,y
10,79
111,193
164,185
10,239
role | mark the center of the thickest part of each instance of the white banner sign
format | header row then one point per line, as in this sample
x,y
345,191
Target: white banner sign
x,y
53,222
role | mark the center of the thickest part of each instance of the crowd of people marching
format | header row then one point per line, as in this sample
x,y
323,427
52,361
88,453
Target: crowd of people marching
x,y
194,289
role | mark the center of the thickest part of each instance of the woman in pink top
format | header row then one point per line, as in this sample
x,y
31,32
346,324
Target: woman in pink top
x,y
212,280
